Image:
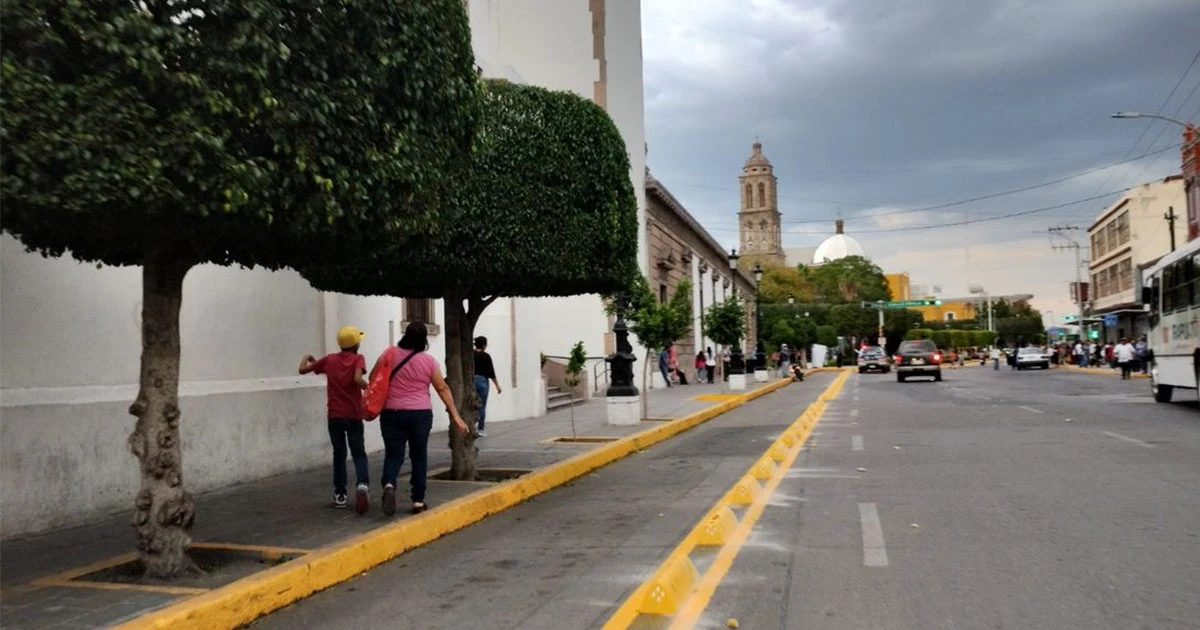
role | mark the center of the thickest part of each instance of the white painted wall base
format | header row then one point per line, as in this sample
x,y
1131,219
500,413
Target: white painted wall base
x,y
737,382
624,411
760,376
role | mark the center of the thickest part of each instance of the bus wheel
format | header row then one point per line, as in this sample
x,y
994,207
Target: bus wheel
x,y
1162,393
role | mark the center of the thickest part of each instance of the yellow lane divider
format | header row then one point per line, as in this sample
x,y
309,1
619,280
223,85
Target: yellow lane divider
x,y
675,590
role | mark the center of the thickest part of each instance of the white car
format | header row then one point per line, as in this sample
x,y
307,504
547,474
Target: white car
x,y
1032,357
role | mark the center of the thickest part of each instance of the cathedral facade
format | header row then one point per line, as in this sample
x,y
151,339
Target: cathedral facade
x,y
759,220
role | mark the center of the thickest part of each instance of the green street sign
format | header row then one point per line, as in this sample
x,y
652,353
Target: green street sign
x,y
901,305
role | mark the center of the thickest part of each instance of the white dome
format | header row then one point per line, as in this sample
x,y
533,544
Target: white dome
x,y
836,247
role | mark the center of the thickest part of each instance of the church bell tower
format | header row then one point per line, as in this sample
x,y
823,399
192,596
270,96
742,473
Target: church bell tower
x,y
759,220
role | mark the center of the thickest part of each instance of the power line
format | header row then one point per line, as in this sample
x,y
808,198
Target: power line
x,y
987,219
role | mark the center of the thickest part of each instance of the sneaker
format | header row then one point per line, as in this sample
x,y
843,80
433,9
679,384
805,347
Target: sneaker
x,y
339,500
481,433
389,500
362,498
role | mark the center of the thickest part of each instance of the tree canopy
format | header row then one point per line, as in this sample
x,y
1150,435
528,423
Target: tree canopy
x,y
249,132
780,283
848,281
725,323
544,207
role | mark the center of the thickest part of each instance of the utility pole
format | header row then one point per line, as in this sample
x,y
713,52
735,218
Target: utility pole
x,y
1074,245
1170,216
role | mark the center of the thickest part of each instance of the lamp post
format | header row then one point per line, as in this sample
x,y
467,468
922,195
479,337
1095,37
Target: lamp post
x,y
737,364
760,354
976,290
1141,115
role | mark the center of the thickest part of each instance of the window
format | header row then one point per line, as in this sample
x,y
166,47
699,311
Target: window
x,y
1123,228
1110,234
420,310
950,316
1098,245
1126,274
749,201
662,294
762,195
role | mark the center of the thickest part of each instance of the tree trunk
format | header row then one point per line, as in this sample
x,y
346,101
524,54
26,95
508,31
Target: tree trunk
x,y
460,369
165,511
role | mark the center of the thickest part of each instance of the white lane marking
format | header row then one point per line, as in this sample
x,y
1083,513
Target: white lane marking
x,y
874,553
1030,409
1126,438
853,413
856,442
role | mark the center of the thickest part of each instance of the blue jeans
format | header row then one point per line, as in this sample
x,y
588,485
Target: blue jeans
x,y
482,386
341,433
666,374
411,429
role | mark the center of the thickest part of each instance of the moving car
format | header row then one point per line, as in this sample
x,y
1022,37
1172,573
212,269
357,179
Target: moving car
x,y
1032,357
918,358
873,358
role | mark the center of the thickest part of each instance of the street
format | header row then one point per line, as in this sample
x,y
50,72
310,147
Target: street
x,y
993,499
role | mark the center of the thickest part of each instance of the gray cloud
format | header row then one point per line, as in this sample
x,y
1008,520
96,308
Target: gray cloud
x,y
870,104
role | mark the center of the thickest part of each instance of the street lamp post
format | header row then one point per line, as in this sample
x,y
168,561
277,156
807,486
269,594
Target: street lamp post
x,y
976,290
737,364
760,355
1191,147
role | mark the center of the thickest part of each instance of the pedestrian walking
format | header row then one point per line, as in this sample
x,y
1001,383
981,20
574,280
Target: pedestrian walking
x,y
1080,355
1125,353
710,365
664,364
485,375
785,361
1139,349
995,358
701,366
407,416
344,383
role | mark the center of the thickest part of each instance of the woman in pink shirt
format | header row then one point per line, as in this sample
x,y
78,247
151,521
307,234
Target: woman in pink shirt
x,y
407,416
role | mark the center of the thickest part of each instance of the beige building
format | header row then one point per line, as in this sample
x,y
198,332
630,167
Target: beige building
x,y
681,249
759,220
1130,234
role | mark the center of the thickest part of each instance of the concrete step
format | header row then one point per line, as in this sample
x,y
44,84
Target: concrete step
x,y
553,403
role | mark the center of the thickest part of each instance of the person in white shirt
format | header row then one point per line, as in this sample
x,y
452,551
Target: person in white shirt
x,y
1124,353
995,358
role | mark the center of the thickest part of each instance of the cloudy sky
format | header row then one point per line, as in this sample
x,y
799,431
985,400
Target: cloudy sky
x,y
869,106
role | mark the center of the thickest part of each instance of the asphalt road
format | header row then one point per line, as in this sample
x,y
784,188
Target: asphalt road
x,y
975,503
990,500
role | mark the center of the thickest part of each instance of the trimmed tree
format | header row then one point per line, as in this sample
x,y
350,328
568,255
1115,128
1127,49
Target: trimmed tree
x,y
250,133
725,323
654,323
544,207
575,366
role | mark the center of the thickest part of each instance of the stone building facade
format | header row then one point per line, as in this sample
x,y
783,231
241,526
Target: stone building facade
x,y
759,220
680,248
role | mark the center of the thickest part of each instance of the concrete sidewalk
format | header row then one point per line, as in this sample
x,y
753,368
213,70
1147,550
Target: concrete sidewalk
x,y
283,515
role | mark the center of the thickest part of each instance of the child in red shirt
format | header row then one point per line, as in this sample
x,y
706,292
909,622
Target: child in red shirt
x,y
344,376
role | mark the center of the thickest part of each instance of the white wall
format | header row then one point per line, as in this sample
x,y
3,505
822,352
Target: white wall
x,y
70,332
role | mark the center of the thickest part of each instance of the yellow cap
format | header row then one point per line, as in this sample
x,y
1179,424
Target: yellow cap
x,y
349,337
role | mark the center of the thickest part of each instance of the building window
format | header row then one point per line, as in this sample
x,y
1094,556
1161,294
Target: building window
x,y
762,195
420,310
1110,234
1123,228
1098,248
1126,274
662,294
749,201
950,316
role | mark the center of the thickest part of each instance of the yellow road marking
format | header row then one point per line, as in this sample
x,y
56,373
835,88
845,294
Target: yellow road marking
x,y
237,604
700,596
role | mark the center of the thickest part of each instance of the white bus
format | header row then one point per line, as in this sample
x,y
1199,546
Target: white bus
x,y
1172,294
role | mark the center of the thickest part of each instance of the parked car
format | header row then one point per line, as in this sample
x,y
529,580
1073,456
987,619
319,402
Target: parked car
x,y
873,358
1032,357
918,358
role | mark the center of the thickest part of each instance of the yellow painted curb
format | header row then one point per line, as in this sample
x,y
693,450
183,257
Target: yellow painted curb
x,y
669,587
717,527
241,602
763,469
687,613
744,492
788,439
1098,371
777,453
